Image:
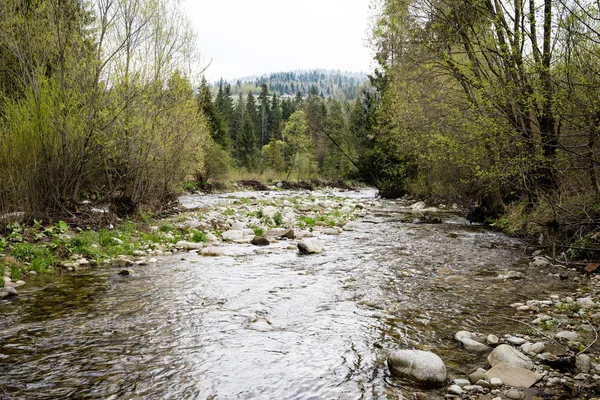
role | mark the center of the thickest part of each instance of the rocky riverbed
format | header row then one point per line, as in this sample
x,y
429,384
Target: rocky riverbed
x,y
307,295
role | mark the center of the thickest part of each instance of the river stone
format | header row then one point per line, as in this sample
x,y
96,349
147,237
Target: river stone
x,y
418,206
122,262
511,356
514,394
260,241
516,341
513,376
422,367
455,389
211,251
461,382
567,335
233,235
7,293
586,302
477,375
533,348
512,275
540,262
185,245
496,382
127,272
310,246
269,211
484,384
474,346
211,238
304,234
461,335
492,339
238,226
583,362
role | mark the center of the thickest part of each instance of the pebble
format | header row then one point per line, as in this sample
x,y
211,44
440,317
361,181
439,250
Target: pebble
x,y
455,389
492,339
567,335
514,394
517,341
477,375
496,382
484,384
461,382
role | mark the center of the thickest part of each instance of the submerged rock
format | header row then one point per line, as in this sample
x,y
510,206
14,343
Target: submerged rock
x,y
7,293
422,367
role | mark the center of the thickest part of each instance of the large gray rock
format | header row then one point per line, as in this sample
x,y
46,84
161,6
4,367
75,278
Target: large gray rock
x,y
513,376
7,293
511,356
422,367
310,246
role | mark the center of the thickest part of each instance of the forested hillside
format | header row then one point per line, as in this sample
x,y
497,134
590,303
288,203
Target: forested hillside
x,y
493,101
329,84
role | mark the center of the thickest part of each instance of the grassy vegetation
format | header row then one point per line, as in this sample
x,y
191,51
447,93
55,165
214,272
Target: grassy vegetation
x,y
43,249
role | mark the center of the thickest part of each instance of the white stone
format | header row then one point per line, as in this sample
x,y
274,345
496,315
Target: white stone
x,y
310,246
455,389
423,367
586,303
516,341
567,335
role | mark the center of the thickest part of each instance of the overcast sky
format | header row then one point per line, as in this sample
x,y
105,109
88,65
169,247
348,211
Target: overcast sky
x,y
254,37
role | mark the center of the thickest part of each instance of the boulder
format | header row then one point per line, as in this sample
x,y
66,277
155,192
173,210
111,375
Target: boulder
x,y
260,241
7,293
310,246
422,367
511,356
513,376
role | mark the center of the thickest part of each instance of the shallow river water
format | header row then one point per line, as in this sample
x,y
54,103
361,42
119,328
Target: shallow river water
x,y
268,323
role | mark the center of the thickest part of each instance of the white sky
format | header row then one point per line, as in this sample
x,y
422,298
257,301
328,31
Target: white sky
x,y
255,37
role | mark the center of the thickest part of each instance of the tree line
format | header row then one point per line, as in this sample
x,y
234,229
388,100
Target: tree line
x,y
302,137
335,84
495,101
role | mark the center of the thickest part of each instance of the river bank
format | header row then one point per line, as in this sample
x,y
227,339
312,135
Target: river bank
x,y
385,281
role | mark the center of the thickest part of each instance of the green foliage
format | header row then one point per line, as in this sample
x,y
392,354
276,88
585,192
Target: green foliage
x,y
306,221
258,231
199,237
278,219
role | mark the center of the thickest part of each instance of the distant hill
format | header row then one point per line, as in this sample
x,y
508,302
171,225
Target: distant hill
x,y
330,84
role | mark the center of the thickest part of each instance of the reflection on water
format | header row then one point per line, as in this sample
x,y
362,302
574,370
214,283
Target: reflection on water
x,y
265,323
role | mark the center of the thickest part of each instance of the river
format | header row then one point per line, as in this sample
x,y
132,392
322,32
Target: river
x,y
266,322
